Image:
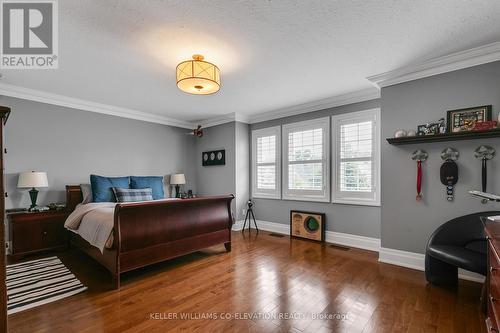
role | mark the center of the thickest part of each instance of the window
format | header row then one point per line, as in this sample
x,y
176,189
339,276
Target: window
x,y
266,159
306,160
356,153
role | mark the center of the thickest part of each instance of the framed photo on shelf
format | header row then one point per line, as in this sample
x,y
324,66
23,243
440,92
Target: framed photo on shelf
x,y
428,129
464,120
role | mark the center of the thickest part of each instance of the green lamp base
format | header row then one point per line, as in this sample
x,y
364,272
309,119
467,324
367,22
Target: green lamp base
x,y
33,195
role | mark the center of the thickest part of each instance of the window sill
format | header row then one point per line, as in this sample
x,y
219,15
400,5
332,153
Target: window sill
x,y
322,200
356,203
263,196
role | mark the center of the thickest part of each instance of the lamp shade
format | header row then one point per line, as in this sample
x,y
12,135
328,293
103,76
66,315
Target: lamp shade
x,y
197,76
32,179
178,179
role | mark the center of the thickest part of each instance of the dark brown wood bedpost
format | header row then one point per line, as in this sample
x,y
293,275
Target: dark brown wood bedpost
x,y
115,276
232,221
74,197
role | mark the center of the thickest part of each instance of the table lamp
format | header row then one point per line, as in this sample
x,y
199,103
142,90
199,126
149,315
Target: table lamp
x,y
178,179
32,179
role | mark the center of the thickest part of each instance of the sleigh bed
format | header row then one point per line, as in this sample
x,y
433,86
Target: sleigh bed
x,y
149,232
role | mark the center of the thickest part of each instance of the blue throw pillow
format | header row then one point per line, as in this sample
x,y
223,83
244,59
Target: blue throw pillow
x,y
102,187
155,183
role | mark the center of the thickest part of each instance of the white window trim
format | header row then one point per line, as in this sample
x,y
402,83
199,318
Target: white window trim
x,y
342,198
306,195
261,193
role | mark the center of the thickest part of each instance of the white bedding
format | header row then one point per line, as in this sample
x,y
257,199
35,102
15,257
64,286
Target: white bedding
x,y
94,223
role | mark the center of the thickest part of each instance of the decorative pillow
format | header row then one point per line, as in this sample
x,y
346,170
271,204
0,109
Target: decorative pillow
x,y
102,187
130,194
86,193
155,183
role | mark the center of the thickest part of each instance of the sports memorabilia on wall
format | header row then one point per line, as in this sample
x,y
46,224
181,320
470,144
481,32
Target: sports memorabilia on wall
x,y
419,156
449,171
215,157
437,127
428,129
307,225
484,153
464,120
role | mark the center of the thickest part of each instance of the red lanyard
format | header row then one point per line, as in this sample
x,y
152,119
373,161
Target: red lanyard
x,y
419,180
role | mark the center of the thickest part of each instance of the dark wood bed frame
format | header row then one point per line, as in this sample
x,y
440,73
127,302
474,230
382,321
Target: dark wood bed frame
x,y
150,232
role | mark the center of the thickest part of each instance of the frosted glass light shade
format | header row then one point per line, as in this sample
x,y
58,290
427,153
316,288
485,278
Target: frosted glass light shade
x,y
197,76
178,179
32,179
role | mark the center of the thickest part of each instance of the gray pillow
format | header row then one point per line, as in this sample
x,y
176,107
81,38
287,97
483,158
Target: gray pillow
x,y
87,193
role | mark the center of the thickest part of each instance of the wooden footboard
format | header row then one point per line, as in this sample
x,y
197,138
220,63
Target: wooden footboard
x,y
151,232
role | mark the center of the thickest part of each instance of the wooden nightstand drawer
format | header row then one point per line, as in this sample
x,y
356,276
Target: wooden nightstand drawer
x,y
53,233
35,232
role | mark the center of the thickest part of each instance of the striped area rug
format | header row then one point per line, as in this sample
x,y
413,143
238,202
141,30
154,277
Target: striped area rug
x,y
37,282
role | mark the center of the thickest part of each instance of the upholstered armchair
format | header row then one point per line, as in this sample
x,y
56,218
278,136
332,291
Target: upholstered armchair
x,y
458,243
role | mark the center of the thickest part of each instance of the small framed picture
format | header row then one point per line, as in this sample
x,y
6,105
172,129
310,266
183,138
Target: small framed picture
x,y
464,120
428,129
214,157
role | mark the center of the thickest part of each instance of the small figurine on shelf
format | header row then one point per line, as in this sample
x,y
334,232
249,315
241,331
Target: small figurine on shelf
x,y
442,126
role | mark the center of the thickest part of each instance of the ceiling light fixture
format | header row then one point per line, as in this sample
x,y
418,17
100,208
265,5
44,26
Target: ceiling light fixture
x,y
198,77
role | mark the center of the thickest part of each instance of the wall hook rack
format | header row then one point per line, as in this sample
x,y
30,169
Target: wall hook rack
x,y
484,153
450,154
449,171
419,156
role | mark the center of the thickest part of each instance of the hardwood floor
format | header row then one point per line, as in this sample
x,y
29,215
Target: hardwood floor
x,y
262,276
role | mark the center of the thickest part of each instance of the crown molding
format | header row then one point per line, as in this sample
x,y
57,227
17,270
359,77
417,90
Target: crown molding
x,y
227,118
219,120
452,62
80,104
339,100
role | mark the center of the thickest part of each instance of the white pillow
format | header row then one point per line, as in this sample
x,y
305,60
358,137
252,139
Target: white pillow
x,y
87,193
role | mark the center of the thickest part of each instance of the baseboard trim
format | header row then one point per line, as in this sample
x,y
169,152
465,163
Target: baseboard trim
x,y
237,226
360,242
417,261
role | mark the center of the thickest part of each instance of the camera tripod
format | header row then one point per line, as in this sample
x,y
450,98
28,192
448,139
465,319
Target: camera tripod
x,y
248,216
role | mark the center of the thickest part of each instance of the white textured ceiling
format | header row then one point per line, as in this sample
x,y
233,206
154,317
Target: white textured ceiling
x,y
272,54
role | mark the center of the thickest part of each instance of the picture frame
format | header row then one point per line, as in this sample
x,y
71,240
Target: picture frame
x,y
307,225
464,120
214,157
428,129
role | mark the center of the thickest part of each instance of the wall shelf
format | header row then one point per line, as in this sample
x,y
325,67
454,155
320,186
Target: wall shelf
x,y
408,140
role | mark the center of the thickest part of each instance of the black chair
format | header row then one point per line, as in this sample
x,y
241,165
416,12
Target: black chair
x,y
458,243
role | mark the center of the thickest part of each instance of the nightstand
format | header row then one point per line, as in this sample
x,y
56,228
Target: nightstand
x,y
34,232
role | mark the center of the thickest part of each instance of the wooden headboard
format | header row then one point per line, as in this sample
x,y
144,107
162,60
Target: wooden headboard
x,y
74,197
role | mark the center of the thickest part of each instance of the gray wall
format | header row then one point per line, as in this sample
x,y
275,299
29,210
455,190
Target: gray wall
x,y
232,178
242,172
406,224
351,219
218,179
71,144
